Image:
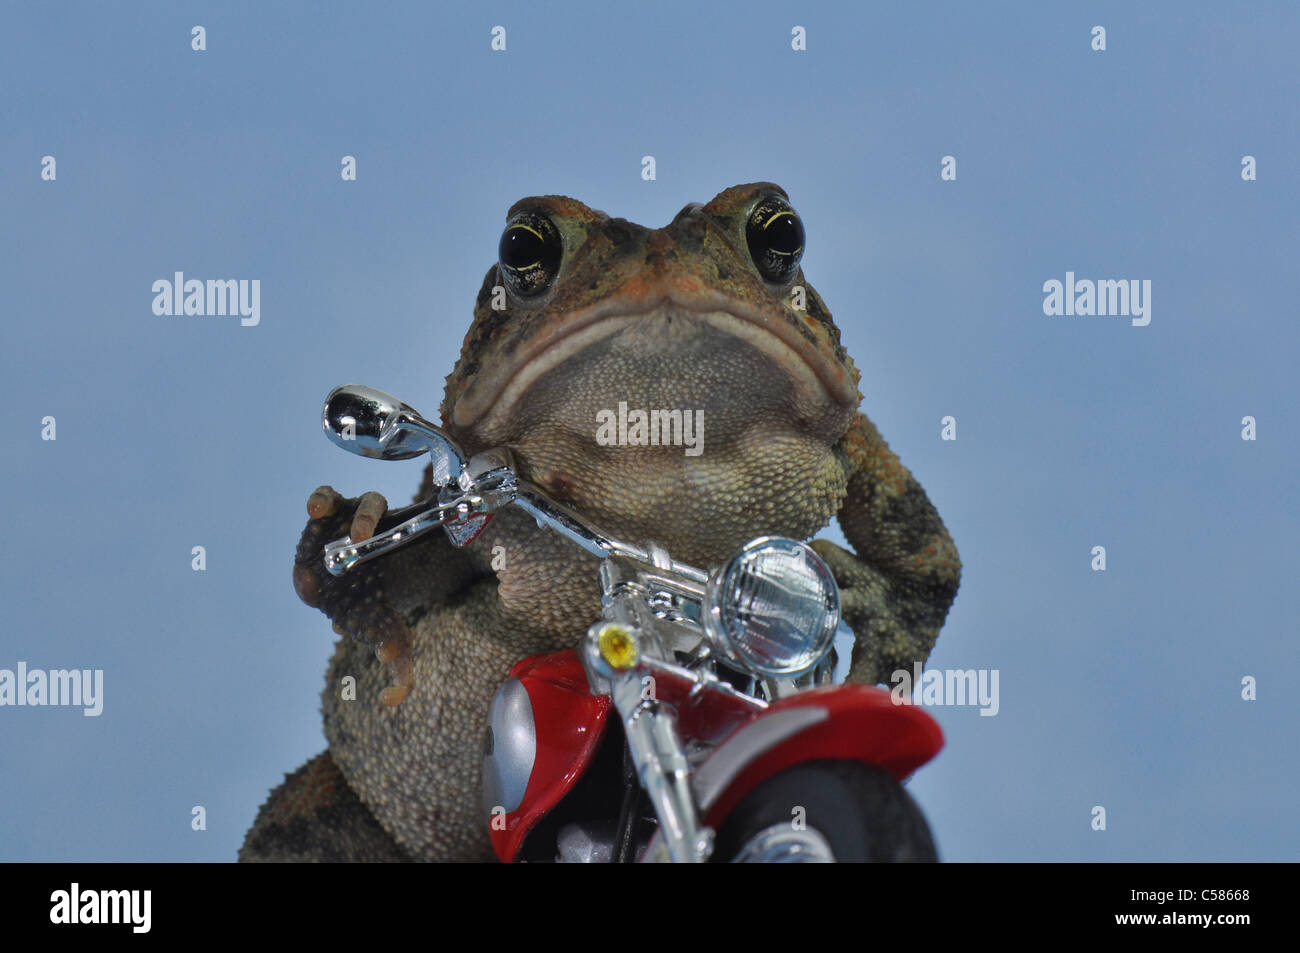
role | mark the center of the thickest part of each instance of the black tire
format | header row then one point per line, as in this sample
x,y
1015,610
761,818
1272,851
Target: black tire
x,y
862,813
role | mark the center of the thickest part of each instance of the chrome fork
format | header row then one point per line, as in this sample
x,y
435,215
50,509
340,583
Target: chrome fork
x,y
654,744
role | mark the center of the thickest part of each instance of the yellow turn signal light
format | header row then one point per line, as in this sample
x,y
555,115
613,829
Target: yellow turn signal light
x,y
617,646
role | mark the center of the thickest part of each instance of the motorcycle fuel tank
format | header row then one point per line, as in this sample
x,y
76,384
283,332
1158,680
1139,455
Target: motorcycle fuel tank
x,y
543,730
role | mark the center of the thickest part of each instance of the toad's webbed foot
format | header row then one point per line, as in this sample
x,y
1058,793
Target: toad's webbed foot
x,y
375,602
354,601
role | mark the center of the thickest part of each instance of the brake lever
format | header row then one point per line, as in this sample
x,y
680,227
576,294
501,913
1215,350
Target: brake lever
x,y
462,509
342,554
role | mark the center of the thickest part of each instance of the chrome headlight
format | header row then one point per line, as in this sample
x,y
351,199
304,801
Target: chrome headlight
x,y
773,607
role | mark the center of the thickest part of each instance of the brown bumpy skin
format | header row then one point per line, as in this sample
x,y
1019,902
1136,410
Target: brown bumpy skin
x,y
678,318
314,816
897,585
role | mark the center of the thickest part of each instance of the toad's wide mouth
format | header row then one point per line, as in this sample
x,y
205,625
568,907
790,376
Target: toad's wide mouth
x,y
807,359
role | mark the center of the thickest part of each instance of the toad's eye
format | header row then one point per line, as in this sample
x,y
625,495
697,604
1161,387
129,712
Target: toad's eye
x,y
775,237
529,253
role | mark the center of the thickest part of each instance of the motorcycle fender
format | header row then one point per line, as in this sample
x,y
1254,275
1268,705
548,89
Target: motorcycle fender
x,y
843,722
543,730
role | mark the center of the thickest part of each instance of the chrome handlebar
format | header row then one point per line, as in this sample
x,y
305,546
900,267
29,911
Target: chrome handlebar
x,y
370,423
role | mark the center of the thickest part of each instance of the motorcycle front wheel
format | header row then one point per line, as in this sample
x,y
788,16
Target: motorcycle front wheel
x,y
826,811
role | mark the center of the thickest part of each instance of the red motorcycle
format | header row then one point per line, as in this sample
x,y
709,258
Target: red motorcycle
x,y
696,720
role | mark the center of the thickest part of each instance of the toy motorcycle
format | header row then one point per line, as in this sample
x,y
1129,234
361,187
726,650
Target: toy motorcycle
x,y
695,720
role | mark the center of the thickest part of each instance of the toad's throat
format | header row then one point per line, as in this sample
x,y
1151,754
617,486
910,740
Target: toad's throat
x,y
623,352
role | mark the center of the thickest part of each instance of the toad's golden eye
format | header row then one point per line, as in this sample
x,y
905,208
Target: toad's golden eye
x,y
529,253
775,236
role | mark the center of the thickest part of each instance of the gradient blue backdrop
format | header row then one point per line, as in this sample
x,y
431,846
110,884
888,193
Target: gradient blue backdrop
x,y
1119,689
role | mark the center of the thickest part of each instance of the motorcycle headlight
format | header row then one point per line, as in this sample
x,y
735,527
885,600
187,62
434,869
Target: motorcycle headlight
x,y
773,607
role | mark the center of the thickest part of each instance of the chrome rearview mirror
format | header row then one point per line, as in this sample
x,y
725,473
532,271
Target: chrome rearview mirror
x,y
371,423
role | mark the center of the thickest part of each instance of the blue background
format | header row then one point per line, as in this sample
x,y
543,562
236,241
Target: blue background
x,y
1120,689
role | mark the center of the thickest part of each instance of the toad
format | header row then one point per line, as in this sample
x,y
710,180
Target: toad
x,y
708,320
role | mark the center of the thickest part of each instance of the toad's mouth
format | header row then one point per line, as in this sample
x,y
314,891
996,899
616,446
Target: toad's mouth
x,y
806,359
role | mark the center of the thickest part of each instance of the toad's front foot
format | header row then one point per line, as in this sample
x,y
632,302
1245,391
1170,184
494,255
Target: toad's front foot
x,y
355,601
